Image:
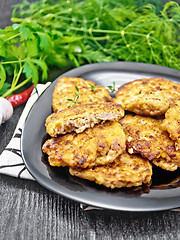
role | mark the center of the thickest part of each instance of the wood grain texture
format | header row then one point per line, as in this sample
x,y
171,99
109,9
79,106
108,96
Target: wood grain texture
x,y
29,211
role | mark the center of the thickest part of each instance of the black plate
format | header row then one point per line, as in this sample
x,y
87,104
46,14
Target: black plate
x,y
162,195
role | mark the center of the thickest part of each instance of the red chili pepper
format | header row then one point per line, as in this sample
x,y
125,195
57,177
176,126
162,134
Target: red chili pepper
x,y
20,98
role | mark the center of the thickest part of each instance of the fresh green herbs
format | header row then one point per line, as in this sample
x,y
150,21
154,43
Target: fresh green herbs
x,y
75,100
16,59
26,52
58,33
112,88
111,30
92,87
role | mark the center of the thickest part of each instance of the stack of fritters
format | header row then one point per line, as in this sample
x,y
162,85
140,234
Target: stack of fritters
x,y
89,139
146,137
101,142
99,145
153,135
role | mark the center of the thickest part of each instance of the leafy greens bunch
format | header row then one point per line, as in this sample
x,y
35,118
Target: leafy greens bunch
x,y
28,49
48,32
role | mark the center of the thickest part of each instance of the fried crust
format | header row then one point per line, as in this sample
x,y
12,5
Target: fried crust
x,y
171,123
99,145
146,137
166,164
65,89
80,117
126,171
149,97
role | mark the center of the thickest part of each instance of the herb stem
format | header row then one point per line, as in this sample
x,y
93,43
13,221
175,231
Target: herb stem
x,y
71,19
17,61
122,32
96,42
15,81
94,30
20,20
48,8
14,77
98,38
18,34
17,87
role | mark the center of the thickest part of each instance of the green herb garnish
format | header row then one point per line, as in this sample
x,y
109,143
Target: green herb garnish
x,y
92,87
112,88
75,100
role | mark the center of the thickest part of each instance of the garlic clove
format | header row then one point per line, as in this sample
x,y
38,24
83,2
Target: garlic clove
x,y
6,110
1,118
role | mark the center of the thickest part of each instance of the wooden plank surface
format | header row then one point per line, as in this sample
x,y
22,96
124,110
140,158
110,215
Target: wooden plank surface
x,y
29,211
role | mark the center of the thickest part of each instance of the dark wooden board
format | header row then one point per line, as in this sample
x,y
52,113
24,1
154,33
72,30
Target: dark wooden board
x,y
29,211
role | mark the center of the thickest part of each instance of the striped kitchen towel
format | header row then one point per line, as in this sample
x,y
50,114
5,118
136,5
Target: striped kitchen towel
x,y
11,162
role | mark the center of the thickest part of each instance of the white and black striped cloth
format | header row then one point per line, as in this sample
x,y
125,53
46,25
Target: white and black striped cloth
x,y
11,162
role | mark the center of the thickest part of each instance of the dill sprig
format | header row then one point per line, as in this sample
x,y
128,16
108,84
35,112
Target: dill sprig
x,y
138,31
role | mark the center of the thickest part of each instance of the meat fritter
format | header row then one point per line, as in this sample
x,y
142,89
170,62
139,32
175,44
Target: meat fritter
x,y
88,93
148,97
126,171
171,124
80,117
99,145
166,164
146,136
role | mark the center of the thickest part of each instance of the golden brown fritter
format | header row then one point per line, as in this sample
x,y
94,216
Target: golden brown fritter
x,y
148,97
88,93
166,164
171,124
99,145
126,171
80,117
146,136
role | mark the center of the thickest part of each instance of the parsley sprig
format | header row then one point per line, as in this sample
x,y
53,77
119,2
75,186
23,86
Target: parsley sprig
x,y
19,58
26,52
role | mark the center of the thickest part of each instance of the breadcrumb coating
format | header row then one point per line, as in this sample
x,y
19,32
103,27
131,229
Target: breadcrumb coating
x,y
80,117
149,97
171,123
126,171
146,137
88,93
99,145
